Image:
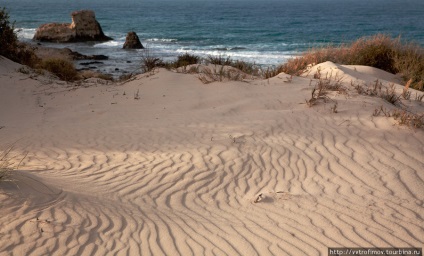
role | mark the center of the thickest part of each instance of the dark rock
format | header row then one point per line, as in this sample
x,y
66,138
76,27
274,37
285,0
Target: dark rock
x,y
98,57
84,27
83,69
90,63
79,56
132,41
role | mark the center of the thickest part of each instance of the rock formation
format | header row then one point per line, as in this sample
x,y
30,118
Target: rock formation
x,y
132,41
84,27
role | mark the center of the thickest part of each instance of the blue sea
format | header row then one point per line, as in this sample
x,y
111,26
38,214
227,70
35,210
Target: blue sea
x,y
265,32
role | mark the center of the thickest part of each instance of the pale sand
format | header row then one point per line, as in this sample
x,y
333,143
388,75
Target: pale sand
x,y
230,168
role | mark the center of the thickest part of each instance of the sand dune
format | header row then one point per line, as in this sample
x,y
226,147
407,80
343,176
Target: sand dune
x,y
234,168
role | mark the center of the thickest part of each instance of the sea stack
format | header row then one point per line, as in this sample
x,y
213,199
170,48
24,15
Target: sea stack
x,y
132,41
84,27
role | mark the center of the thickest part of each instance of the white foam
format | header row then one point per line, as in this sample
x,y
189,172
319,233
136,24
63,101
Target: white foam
x,y
110,44
161,40
260,58
25,33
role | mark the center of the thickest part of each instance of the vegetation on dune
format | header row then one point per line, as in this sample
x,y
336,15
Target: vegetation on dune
x,y
379,51
11,48
63,69
243,66
150,62
9,44
4,171
8,164
219,60
185,60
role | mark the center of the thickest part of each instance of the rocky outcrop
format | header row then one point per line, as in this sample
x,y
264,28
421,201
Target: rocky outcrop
x,y
43,53
79,56
84,27
132,41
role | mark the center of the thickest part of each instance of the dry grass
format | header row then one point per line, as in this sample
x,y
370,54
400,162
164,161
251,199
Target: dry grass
x,y
406,94
389,94
403,117
245,67
149,62
219,74
373,90
318,93
184,60
272,71
248,68
63,69
323,86
4,170
419,97
8,164
380,51
219,60
321,89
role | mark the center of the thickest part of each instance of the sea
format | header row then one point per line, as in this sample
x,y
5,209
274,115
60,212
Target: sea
x,y
263,32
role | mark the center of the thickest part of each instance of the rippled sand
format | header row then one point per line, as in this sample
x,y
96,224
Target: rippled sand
x,y
227,168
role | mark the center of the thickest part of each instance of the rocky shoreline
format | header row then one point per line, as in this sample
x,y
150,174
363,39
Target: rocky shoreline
x,y
84,28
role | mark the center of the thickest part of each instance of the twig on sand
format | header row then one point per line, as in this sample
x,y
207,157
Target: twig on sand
x,y
258,198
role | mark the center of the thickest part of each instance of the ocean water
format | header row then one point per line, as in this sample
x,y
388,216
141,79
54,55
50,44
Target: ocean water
x,y
265,32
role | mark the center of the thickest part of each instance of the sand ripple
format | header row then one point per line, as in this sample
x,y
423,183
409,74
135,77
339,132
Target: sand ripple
x,y
275,183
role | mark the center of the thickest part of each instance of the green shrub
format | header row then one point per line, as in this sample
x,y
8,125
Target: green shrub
x,y
8,38
10,46
63,69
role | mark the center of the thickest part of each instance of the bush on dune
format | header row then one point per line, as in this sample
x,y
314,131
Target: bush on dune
x,y
185,60
63,69
150,62
379,51
12,49
10,46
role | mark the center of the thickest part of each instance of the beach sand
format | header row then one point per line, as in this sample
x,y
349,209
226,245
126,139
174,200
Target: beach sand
x,y
166,165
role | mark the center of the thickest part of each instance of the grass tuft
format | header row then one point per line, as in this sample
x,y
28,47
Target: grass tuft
x,y
7,165
219,60
403,117
149,62
185,60
220,73
389,94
